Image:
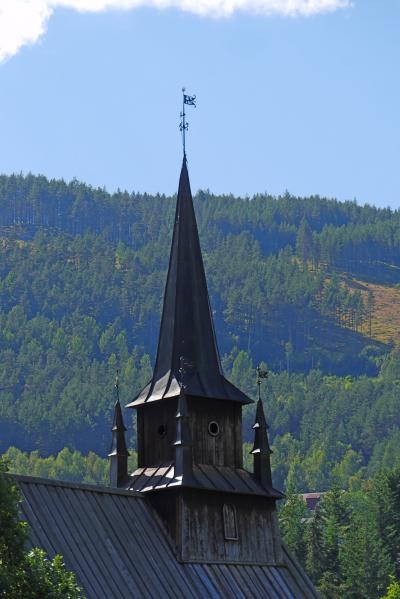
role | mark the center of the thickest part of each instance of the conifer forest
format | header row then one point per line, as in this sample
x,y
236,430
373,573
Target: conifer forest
x,y
308,287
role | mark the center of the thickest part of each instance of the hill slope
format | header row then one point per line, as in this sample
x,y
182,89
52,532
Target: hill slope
x,y
81,282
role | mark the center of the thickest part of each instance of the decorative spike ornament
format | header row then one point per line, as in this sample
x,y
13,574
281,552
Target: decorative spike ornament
x,y
261,449
118,453
183,439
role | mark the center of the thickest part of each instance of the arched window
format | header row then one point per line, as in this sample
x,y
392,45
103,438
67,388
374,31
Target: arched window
x,y
230,522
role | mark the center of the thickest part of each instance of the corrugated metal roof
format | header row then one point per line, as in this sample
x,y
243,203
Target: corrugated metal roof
x,y
116,544
205,476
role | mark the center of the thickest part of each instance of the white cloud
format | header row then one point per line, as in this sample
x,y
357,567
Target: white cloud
x,y
21,22
24,21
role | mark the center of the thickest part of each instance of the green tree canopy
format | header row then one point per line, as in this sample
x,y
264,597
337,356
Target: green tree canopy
x,y
27,574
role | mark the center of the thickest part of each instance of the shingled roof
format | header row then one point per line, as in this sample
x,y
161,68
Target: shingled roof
x,y
117,546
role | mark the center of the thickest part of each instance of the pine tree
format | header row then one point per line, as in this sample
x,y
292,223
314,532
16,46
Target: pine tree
x,y
313,537
387,497
334,518
304,242
365,562
292,520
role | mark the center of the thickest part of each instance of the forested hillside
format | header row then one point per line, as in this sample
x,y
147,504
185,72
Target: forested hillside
x,y
306,285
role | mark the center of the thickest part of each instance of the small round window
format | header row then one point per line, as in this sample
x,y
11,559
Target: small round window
x,y
162,430
213,428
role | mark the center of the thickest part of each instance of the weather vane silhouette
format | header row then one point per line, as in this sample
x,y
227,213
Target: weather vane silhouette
x,y
184,125
262,373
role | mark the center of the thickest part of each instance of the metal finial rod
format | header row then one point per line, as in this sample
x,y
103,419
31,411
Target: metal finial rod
x,y
184,126
262,373
117,384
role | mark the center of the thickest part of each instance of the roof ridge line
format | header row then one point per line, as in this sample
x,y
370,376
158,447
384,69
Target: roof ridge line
x,y
53,482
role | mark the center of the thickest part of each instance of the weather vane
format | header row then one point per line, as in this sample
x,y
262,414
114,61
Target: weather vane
x,y
184,126
262,373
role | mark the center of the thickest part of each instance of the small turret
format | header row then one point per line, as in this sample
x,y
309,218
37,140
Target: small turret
x,y
118,453
261,449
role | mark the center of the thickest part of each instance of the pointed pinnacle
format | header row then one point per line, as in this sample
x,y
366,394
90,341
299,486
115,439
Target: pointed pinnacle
x,y
118,442
118,423
260,421
261,442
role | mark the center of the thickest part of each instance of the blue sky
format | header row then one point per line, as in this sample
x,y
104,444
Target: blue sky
x,y
305,103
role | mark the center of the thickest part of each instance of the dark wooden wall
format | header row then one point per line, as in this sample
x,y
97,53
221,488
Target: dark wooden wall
x,y
153,448
224,449
168,505
208,526
203,534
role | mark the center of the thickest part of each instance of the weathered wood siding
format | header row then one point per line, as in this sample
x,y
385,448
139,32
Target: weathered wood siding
x,y
154,449
225,448
203,535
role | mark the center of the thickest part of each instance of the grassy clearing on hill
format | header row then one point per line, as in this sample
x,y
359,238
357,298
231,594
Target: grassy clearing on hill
x,y
385,318
385,324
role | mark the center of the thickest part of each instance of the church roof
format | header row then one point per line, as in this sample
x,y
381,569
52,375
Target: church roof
x,y
205,476
117,546
187,329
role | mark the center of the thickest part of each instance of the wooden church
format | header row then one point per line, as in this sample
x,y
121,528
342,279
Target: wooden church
x,y
190,522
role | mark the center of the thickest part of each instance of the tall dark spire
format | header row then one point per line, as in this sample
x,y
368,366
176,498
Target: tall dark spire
x,y
261,450
186,326
118,453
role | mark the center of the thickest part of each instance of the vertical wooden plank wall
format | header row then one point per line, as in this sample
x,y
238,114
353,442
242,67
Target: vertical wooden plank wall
x,y
203,535
223,449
